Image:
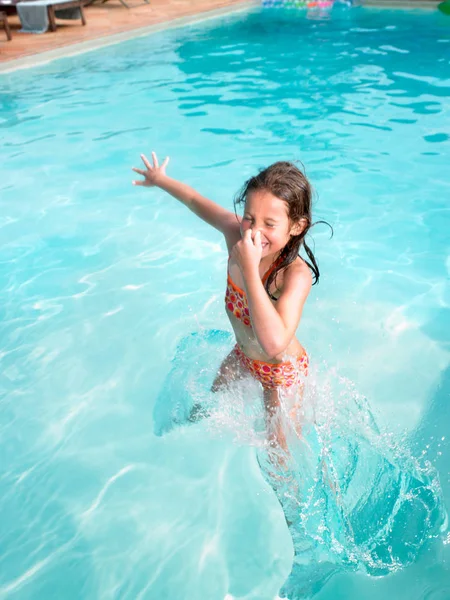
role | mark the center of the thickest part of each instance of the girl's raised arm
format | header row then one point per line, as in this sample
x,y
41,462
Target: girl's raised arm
x,y
213,214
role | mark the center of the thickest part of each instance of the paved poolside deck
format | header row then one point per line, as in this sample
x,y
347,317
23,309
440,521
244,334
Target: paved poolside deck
x,y
104,20
113,19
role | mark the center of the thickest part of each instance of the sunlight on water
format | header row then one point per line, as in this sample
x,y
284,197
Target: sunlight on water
x,y
112,485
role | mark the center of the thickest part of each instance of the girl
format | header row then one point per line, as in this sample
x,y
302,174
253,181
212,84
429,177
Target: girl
x,y
268,282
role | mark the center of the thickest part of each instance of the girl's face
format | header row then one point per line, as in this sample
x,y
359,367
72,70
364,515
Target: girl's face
x,y
267,214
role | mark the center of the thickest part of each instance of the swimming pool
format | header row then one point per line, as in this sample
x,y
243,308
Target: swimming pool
x,y
100,282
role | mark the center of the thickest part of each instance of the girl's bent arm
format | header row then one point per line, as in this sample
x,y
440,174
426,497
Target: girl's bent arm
x,y
275,326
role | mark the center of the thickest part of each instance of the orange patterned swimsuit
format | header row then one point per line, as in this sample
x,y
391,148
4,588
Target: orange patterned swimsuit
x,y
270,375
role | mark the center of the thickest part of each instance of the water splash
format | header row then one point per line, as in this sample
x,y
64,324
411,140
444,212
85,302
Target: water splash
x,y
353,495
355,498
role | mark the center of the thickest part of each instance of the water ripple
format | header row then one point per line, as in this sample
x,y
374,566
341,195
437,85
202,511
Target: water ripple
x,y
99,281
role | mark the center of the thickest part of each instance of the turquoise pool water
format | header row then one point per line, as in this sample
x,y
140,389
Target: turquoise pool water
x,y
100,282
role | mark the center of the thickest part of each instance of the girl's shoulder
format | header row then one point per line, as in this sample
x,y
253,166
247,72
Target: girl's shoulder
x,y
299,268
297,274
233,233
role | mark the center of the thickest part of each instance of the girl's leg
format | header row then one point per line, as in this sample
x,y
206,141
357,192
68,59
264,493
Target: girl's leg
x,y
231,369
282,411
276,462
295,400
278,452
276,434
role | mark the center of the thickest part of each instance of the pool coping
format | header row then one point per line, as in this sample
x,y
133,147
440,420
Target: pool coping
x,y
47,56
30,61
401,4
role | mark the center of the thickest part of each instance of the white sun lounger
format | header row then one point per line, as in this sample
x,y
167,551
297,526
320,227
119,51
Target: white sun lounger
x,y
40,15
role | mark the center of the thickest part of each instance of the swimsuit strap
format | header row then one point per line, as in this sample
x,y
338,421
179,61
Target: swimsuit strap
x,y
265,276
271,269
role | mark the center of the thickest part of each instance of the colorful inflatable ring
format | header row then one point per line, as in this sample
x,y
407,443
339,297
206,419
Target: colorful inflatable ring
x,y
320,4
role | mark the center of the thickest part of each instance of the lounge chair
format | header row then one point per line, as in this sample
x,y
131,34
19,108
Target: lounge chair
x,y
5,24
124,2
37,16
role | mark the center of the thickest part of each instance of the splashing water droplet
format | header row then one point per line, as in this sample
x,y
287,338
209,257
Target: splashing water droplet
x,y
353,495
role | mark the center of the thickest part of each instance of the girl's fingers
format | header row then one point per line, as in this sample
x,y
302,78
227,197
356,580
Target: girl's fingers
x,y
138,182
165,163
257,239
155,160
247,235
146,162
140,171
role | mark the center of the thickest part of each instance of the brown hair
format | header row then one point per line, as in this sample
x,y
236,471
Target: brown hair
x,y
285,181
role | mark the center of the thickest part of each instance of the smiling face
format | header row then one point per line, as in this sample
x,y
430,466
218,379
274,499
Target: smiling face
x,y
269,215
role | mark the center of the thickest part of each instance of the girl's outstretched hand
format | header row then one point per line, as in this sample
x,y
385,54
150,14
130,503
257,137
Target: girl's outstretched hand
x,y
247,252
151,172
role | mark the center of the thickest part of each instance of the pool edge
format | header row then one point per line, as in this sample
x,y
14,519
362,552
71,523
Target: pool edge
x,y
401,4
30,61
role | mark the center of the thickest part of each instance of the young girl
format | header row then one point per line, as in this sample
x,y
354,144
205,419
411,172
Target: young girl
x,y
268,282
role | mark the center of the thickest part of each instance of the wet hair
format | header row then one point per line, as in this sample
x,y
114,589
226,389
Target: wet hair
x,y
287,182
